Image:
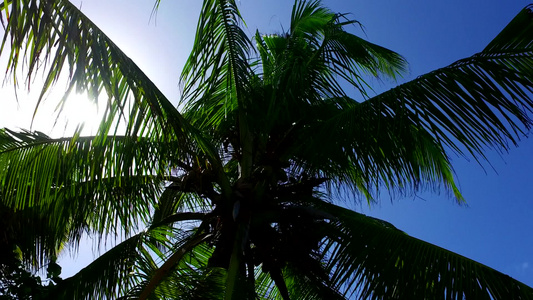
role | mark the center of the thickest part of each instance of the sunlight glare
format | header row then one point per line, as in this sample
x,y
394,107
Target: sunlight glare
x,y
79,110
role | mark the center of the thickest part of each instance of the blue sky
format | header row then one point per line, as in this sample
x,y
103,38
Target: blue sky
x,y
495,228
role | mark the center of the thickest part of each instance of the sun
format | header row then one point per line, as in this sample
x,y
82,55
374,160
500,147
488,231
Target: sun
x,y
63,119
80,110
24,112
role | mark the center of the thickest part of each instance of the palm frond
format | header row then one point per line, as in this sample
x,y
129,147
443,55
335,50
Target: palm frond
x,y
106,276
217,71
32,234
174,206
180,272
478,102
374,260
47,35
265,288
368,151
399,138
170,263
78,184
307,285
344,54
36,167
315,56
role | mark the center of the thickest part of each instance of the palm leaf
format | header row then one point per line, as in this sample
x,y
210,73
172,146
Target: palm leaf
x,y
217,70
375,260
316,55
80,184
35,166
31,234
398,139
106,276
368,151
50,34
478,102
120,271
179,272
307,285
174,206
338,53
170,263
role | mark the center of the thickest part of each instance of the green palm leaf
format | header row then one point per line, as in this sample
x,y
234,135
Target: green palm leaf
x,y
106,276
79,184
398,138
377,261
57,33
316,55
478,102
217,71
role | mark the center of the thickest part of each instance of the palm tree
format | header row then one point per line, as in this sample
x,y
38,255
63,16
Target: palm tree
x,y
233,195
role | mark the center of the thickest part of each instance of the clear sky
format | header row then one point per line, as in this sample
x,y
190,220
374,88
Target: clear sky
x,y
495,228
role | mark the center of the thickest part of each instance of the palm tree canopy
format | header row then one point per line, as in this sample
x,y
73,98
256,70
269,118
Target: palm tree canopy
x,y
232,196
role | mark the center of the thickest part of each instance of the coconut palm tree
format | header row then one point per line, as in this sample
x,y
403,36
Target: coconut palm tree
x,y
233,195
